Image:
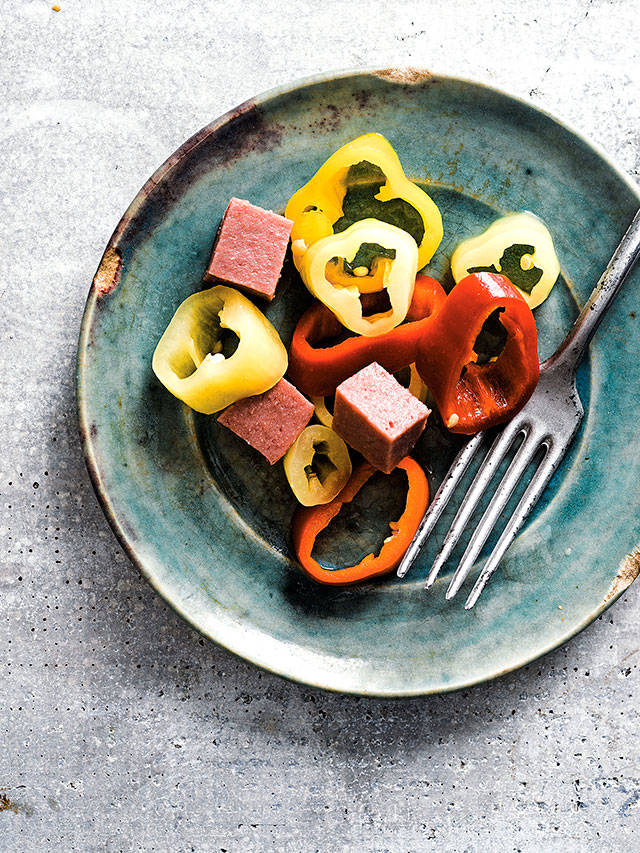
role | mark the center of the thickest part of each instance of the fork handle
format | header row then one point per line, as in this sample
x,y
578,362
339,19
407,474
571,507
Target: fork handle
x,y
571,350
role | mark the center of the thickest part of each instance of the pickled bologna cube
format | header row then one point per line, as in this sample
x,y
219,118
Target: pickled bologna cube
x,y
250,248
378,417
270,422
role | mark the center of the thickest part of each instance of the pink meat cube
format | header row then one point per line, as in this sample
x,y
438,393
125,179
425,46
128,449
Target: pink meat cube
x,y
250,248
270,422
378,417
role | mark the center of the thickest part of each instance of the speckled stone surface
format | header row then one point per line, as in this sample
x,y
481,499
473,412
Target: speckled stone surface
x,y
122,729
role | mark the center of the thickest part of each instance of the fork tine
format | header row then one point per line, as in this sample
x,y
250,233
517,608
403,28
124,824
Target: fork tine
x,y
502,494
527,502
496,452
441,499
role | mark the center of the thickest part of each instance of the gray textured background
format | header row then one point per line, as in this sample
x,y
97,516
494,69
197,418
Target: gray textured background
x,y
122,729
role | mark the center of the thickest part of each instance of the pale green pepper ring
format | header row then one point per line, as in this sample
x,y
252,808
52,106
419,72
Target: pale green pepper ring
x,y
416,385
317,465
189,359
368,257
518,246
322,412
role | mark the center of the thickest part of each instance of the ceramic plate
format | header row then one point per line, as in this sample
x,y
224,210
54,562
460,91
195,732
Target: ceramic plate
x,y
206,519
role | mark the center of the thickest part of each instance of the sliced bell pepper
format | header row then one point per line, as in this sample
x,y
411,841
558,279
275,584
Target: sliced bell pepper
x,y
318,370
520,247
362,180
369,257
190,358
317,465
309,522
322,412
471,396
416,385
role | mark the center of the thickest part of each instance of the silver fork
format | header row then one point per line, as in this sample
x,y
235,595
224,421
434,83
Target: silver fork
x,y
548,423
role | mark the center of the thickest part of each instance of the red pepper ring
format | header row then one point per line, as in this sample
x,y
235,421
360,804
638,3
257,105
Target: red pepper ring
x,y
317,371
473,397
308,522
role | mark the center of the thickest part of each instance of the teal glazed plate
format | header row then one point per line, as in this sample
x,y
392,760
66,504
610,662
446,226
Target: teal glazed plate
x,y
207,520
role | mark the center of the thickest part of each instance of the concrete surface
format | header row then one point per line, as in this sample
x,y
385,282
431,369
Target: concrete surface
x,y
120,728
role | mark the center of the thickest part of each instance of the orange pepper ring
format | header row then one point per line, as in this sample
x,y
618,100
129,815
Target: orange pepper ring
x,y
308,522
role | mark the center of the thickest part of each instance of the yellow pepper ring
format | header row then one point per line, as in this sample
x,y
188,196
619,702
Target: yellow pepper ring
x,y
189,361
318,205
310,226
317,465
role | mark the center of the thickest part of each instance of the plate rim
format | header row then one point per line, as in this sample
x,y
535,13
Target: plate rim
x,y
401,75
